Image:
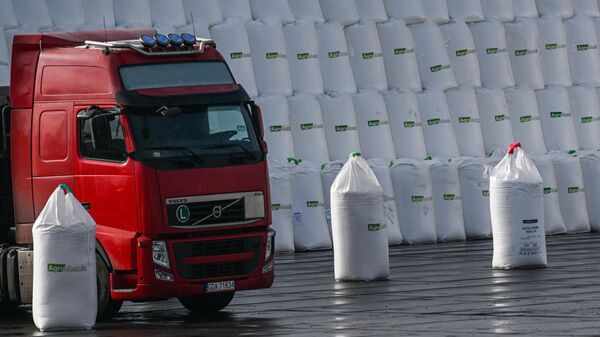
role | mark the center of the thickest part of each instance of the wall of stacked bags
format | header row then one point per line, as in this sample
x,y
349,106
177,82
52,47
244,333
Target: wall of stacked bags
x,y
431,92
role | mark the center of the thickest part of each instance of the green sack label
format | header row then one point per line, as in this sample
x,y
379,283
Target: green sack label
x,y
306,126
368,56
464,52
584,47
485,193
523,52
573,189
548,190
279,128
499,118
344,128
272,55
411,124
553,46
433,121
402,51
236,55
302,56
559,114
467,119
374,122
525,119
374,227
420,198
277,207
449,197
495,50
65,268
334,54
313,203
439,67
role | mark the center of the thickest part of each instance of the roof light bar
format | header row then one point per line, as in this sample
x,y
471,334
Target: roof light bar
x,y
188,39
176,40
162,40
147,41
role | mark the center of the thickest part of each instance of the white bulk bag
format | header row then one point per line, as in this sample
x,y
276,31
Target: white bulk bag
x,y
399,55
272,10
33,13
97,13
435,68
208,11
447,200
372,10
360,247
8,18
170,13
306,122
553,219
132,13
475,189
561,8
525,119
276,121
582,46
233,44
461,51
437,126
571,192
328,173
436,10
281,208
498,9
517,210
310,226
342,12
414,199
405,124
557,121
236,8
586,116
525,8
366,56
67,15
410,11
494,62
590,167
522,42
334,59
381,169
495,119
303,57
586,7
373,125
465,10
464,114
64,265
552,40
339,121
307,10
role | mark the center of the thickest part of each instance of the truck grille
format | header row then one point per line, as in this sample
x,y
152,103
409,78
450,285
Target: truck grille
x,y
207,212
217,248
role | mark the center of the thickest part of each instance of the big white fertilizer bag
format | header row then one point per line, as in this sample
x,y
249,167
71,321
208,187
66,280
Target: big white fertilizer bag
x,y
236,9
464,114
586,7
334,59
276,121
586,116
399,57
582,46
560,8
435,68
557,120
437,126
373,125
281,208
307,10
410,11
590,167
64,265
303,51
475,189
517,210
342,12
522,42
366,56
461,50
525,119
306,123
373,10
272,10
495,119
465,10
498,10
525,8
381,168
405,124
492,53
552,44
339,121
436,10
360,247
553,219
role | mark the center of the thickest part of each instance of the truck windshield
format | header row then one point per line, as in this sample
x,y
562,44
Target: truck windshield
x,y
198,136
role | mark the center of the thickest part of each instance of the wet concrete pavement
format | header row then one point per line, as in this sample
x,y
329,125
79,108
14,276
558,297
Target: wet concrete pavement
x,y
434,290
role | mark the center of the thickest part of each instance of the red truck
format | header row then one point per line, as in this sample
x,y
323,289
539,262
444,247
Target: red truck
x,y
160,144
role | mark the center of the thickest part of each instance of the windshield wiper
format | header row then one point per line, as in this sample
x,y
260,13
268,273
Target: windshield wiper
x,y
222,146
193,154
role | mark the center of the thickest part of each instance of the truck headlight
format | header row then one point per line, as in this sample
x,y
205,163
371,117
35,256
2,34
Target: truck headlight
x,y
269,245
160,255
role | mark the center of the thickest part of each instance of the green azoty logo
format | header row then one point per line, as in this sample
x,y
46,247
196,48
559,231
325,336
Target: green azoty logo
x,y
399,51
409,124
272,55
277,207
276,128
374,122
525,119
182,213
492,50
551,46
306,126
499,118
548,190
462,52
436,68
589,119
302,56
520,52
449,197
573,189
341,128
368,56
433,121
485,193
463,120
583,47
334,54
374,227
312,203
236,55
65,268
556,114
417,198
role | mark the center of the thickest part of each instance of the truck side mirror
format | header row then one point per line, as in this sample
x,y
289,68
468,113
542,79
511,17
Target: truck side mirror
x,y
257,119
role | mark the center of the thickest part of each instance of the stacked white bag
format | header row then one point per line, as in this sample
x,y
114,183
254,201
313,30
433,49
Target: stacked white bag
x,y
560,8
522,42
525,119
590,167
498,10
360,248
557,121
475,189
308,134
586,7
435,68
373,125
276,121
208,11
168,16
582,45
399,57
517,210
334,59
495,119
465,10
405,125
409,11
436,10
281,208
586,116
339,121
372,10
381,169
553,51
236,9
553,219
307,10
303,57
64,265
461,50
494,62
342,12
272,10
525,8
464,113
310,226
366,56
437,126
414,199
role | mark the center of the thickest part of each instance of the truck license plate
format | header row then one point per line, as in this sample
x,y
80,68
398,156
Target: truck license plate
x,y
217,287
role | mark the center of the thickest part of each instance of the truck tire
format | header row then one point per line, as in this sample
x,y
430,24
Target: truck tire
x,y
207,304
107,307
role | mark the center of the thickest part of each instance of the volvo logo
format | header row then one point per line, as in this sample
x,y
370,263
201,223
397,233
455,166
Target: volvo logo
x,y
217,211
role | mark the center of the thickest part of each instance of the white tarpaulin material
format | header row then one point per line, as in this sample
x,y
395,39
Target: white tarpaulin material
x,y
586,116
590,167
334,59
64,265
399,55
310,226
339,121
410,11
517,210
67,15
414,199
307,10
405,124
366,56
525,8
437,126
464,114
436,10
435,68
308,134
381,168
494,62
571,192
372,10
465,10
522,41
495,119
342,12
233,44
553,219
498,10
360,247
525,119
281,208
208,11
461,51
582,45
561,8
303,52
475,189
129,13
269,58
586,7
447,200
557,121
276,121
328,173
236,8
373,125
272,10
553,50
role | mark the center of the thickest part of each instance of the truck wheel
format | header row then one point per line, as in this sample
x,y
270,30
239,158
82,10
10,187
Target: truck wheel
x,y
207,304
107,307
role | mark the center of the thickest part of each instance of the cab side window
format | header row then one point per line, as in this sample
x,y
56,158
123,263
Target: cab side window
x,y
102,138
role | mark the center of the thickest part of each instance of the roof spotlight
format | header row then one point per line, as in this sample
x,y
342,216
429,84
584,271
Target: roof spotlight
x,y
162,40
176,40
188,39
147,41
